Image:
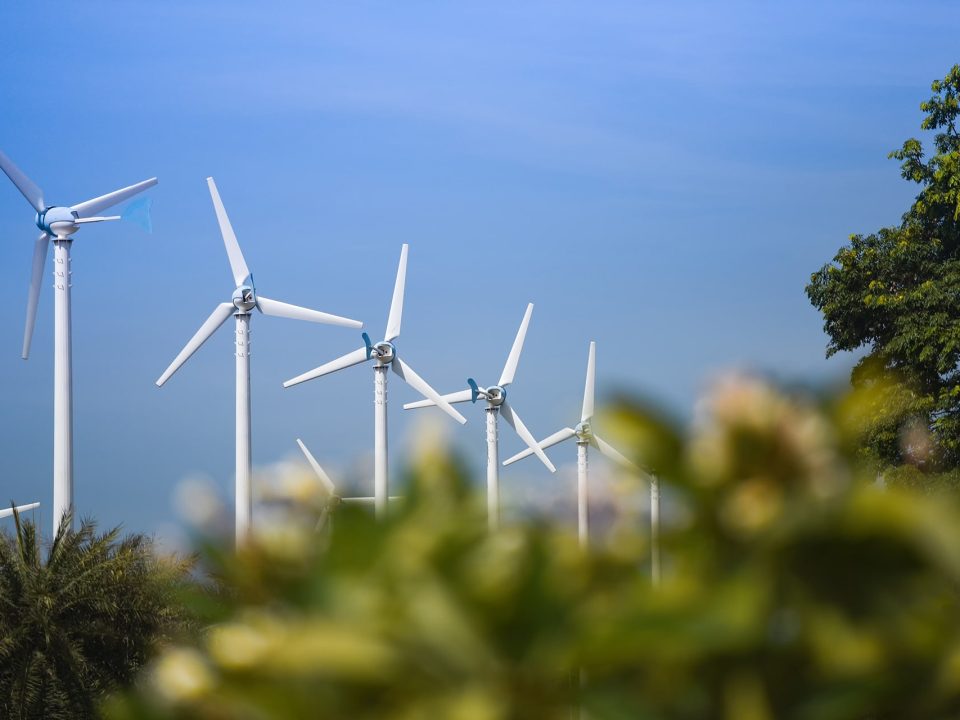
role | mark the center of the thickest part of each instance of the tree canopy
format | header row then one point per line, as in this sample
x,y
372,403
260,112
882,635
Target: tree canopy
x,y
79,623
896,293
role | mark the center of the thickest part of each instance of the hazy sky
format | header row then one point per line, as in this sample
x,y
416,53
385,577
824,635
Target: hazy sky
x,y
659,177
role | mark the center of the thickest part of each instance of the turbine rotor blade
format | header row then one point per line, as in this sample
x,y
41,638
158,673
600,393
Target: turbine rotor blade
x,y
295,312
323,522
210,325
90,208
454,397
324,478
588,389
410,377
33,296
510,369
237,264
25,185
557,437
85,220
607,449
353,358
396,305
516,423
8,512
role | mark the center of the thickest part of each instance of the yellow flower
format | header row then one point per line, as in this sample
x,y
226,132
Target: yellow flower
x,y
181,675
239,645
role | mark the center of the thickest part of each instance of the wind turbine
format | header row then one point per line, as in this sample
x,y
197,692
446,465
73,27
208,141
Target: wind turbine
x,y
384,354
8,512
245,298
58,224
496,397
331,489
585,436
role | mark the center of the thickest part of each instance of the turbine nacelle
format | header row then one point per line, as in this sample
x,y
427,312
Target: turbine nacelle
x,y
495,395
245,297
58,221
383,352
583,431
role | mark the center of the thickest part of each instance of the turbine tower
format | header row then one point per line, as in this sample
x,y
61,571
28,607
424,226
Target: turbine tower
x,y
585,436
8,512
335,499
384,354
245,298
496,397
58,224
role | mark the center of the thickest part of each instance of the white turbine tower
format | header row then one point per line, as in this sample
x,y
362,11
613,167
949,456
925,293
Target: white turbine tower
x,y
496,397
245,299
585,436
384,354
331,489
58,224
8,512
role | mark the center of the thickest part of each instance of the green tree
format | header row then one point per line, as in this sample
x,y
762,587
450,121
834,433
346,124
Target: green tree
x,y
80,622
896,293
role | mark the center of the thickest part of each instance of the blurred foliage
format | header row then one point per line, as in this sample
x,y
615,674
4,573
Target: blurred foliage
x,y
794,588
82,621
896,293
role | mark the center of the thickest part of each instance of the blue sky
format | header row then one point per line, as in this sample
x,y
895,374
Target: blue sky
x,y
661,178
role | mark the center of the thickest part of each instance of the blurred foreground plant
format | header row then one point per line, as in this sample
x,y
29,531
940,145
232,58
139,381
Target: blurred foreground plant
x,y
82,621
793,588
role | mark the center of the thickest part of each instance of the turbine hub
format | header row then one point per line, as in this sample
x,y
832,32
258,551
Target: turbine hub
x,y
244,298
583,431
58,221
385,352
496,395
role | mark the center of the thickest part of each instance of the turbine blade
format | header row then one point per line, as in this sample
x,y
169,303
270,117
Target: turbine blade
x,y
396,305
368,500
557,437
8,512
210,325
589,386
92,207
295,312
510,369
410,377
33,296
237,264
25,185
454,397
607,449
323,522
516,423
85,220
324,478
354,358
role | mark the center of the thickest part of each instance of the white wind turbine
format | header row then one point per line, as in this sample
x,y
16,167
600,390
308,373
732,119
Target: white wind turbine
x,y
496,397
585,436
58,224
245,299
334,498
8,512
384,354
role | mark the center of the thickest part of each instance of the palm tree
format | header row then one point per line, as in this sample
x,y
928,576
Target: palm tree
x,y
80,623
